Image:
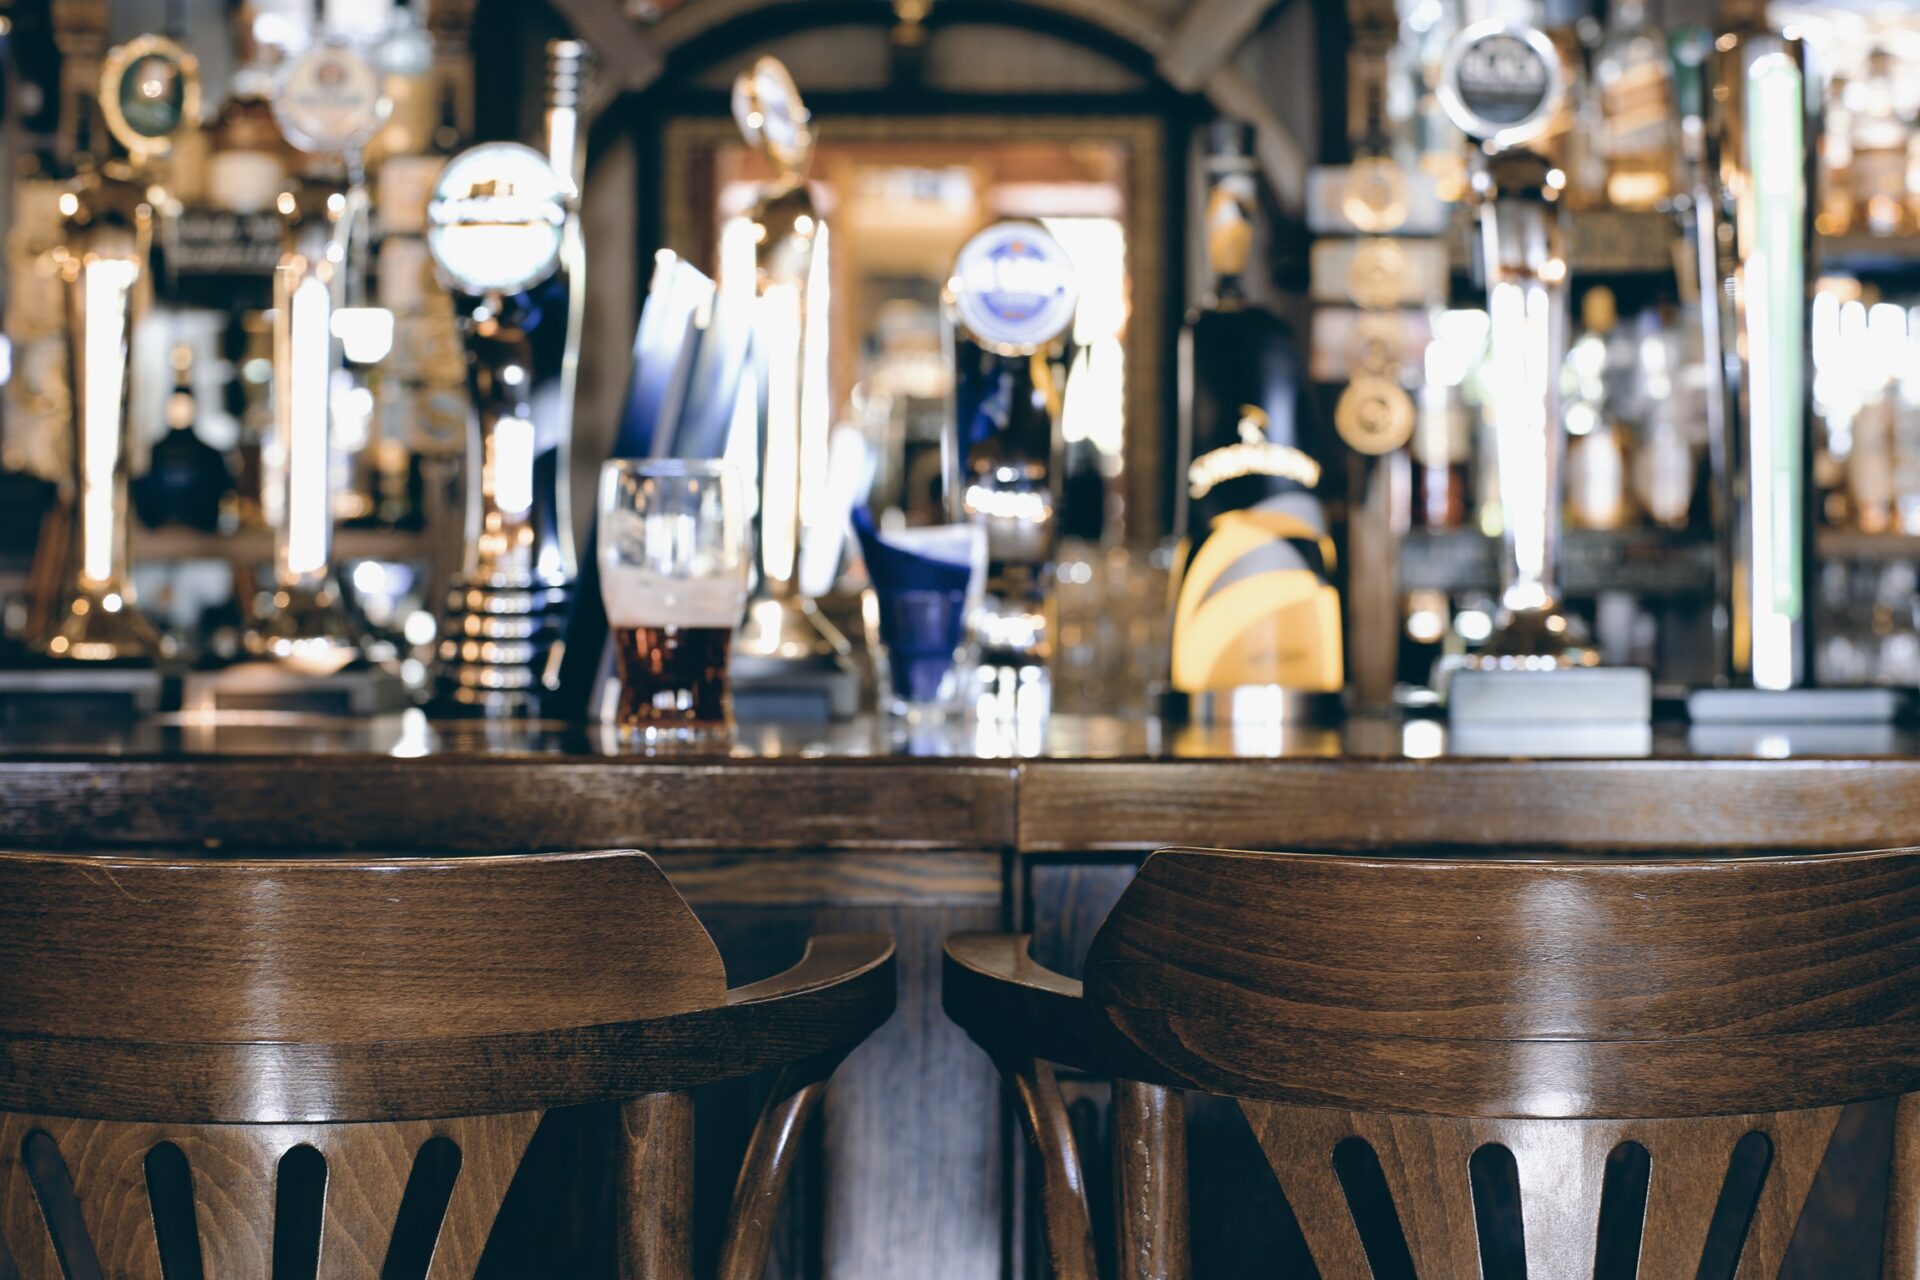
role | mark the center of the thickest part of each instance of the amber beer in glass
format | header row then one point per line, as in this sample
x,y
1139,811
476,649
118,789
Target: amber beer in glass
x,y
673,575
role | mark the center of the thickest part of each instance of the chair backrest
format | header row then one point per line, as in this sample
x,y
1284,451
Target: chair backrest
x,y
262,1068
1462,1068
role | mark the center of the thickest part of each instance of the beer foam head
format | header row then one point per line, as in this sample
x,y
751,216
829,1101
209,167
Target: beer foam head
x,y
641,597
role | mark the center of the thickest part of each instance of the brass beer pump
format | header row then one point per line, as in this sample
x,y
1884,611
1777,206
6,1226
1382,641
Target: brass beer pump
x,y
149,89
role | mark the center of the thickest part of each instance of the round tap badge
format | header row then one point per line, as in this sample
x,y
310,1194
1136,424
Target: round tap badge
x,y
149,90
495,221
1014,288
329,99
771,116
1501,82
1374,416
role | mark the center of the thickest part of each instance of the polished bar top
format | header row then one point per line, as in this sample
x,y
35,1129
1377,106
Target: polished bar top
x,y
1064,784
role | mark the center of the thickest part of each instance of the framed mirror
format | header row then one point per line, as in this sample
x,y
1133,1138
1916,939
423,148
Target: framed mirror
x,y
901,194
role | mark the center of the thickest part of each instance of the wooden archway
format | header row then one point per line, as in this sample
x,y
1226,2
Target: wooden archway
x,y
1193,53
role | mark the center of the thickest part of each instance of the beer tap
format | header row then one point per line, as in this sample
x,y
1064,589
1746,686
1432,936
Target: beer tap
x,y
1501,84
497,230
1756,226
149,89
783,244
329,103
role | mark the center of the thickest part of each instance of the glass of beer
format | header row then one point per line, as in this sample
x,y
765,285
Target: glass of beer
x,y
673,574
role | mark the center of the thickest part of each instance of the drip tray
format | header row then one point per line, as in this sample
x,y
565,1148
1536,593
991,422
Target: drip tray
x,y
1558,698
81,695
1795,706
267,688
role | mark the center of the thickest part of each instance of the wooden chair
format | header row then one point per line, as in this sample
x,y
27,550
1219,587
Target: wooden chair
x,y
1463,1069
331,1067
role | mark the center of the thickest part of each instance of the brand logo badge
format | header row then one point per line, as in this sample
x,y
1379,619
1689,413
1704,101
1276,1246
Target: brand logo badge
x,y
1014,288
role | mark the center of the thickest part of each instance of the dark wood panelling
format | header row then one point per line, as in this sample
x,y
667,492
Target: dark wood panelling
x,y
1611,806
905,1178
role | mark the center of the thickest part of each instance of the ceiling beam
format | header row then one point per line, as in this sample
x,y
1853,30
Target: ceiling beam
x,y
622,55
1206,35
1279,152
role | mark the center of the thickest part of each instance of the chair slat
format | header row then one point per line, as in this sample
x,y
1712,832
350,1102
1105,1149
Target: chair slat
x,y
1299,1145
20,1219
490,1151
1800,1141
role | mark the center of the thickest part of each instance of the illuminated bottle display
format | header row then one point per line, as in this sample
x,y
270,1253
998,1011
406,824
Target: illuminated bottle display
x,y
1253,604
1012,299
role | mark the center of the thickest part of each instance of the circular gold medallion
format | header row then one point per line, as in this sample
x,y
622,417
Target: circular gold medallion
x,y
1375,199
1374,416
149,92
1377,276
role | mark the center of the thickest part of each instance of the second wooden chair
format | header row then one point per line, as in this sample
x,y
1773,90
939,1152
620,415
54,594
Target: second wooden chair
x,y
1549,1069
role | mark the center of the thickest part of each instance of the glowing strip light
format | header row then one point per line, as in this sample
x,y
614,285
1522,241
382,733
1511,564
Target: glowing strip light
x,y
1775,295
510,469
780,487
107,282
309,523
1521,356
816,407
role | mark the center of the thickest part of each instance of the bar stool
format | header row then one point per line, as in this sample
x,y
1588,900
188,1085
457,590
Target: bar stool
x,y
1551,1069
332,1067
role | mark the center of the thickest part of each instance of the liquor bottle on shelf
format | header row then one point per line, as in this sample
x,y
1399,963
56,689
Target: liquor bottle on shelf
x,y
1442,450
1879,151
248,166
187,481
1585,152
1633,77
1597,451
1254,606
1835,179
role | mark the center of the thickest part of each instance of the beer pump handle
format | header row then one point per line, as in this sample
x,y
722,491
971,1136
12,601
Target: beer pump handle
x,y
1756,231
1502,84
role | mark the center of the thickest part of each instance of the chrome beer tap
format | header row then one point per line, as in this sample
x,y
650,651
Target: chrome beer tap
x,y
785,636
497,231
1501,84
149,89
1756,223
329,103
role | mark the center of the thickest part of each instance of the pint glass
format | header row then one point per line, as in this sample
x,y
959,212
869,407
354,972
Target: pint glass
x,y
673,575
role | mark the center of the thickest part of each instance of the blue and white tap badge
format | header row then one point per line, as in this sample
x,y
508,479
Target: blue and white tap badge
x,y
1014,288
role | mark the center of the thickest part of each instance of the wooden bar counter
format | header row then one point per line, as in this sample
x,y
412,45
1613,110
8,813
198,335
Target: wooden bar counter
x,y
870,826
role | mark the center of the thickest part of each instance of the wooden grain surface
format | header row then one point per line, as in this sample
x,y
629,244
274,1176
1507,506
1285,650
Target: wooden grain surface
x,y
300,803
234,1170
479,804
1432,1009
329,950
1472,988
1484,806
